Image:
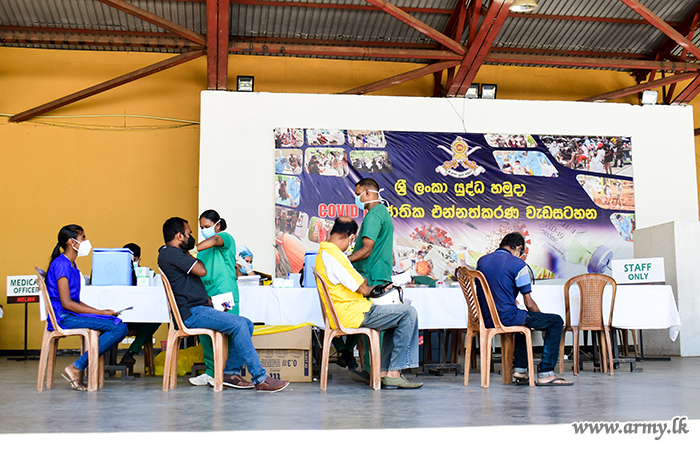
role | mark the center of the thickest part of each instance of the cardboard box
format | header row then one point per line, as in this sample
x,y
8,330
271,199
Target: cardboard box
x,y
286,355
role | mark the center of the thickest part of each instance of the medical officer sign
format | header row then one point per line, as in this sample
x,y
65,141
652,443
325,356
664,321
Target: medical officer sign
x,y
22,289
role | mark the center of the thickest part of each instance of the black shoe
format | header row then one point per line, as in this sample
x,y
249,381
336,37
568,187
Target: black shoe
x,y
128,359
360,377
346,359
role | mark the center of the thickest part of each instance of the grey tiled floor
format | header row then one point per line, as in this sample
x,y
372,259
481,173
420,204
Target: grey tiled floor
x,y
663,389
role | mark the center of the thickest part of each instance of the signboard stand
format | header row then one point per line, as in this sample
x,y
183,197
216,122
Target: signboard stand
x,y
23,289
26,357
641,271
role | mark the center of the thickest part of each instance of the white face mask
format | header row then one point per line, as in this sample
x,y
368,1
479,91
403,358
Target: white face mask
x,y
83,247
360,204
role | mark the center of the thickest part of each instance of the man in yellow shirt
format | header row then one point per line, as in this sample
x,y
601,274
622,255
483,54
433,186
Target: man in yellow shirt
x,y
348,290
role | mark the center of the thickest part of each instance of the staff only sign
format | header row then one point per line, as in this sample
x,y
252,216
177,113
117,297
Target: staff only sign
x,y
640,270
22,289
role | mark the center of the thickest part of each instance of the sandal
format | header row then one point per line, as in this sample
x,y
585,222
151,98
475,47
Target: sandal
x,y
556,381
520,378
78,385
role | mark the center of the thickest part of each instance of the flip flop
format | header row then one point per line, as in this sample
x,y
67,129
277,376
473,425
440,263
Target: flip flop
x,y
555,382
75,384
520,381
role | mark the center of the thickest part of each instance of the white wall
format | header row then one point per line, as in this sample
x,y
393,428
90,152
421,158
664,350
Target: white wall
x,y
671,241
237,146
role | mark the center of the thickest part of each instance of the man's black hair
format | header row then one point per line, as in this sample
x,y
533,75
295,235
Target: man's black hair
x,y
368,183
513,240
172,227
345,226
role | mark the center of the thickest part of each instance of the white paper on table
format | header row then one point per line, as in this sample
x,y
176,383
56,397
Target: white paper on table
x,y
401,278
222,302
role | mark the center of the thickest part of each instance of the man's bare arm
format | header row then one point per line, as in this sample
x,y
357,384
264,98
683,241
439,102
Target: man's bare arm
x,y
364,252
364,289
530,303
198,269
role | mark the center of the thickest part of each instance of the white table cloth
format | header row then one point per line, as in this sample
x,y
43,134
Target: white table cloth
x,y
149,302
636,307
643,307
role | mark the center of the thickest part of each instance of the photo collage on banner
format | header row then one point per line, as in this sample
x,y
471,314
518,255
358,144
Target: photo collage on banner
x,y
453,196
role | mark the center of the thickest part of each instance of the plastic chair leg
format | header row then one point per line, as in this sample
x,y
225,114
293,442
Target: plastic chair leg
x,y
324,359
467,355
375,354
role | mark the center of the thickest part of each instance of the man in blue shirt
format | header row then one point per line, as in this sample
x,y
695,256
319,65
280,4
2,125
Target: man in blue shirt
x,y
507,276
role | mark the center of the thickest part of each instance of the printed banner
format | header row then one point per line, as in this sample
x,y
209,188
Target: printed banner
x,y
453,196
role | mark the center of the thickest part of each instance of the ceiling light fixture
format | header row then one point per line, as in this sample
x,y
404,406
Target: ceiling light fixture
x,y
523,6
244,83
488,91
472,91
650,97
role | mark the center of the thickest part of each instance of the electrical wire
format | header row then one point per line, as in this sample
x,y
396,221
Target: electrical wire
x,y
180,123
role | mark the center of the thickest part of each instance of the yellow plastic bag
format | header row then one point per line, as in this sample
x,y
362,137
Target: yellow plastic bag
x,y
186,358
272,329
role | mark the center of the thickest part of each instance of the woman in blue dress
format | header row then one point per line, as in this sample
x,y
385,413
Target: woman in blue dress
x,y
63,283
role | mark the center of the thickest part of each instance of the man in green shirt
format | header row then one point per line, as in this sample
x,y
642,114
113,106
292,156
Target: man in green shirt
x,y
372,257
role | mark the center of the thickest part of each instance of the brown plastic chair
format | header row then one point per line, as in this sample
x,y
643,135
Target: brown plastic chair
x,y
467,280
89,341
219,343
330,333
591,286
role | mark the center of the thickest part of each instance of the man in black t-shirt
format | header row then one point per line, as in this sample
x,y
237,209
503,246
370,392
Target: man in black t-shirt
x,y
184,273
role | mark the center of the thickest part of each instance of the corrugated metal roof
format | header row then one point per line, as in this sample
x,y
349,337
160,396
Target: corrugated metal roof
x,y
270,20
590,36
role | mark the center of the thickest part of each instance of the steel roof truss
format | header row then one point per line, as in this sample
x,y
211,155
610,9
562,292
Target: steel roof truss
x,y
107,85
418,25
149,17
413,74
218,18
640,87
490,26
662,26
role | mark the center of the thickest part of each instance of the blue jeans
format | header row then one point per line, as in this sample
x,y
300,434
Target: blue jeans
x,y
240,330
111,335
400,326
552,325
